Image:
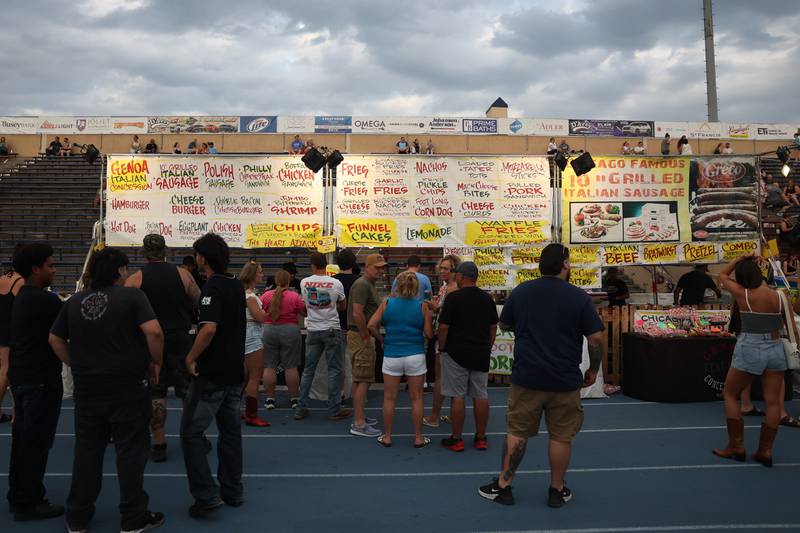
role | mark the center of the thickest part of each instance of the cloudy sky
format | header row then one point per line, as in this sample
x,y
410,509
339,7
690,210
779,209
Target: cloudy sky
x,y
635,59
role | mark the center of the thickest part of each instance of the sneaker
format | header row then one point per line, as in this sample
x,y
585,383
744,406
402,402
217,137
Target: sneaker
x,y
294,401
152,521
256,422
456,445
370,421
43,510
269,403
481,443
364,431
341,415
233,502
557,498
158,453
300,414
199,510
494,492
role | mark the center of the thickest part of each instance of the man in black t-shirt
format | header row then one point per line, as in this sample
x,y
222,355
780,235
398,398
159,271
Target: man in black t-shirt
x,y
692,287
616,288
346,261
215,361
467,328
113,337
35,377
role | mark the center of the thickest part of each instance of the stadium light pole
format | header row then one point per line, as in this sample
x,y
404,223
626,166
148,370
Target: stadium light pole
x,y
711,69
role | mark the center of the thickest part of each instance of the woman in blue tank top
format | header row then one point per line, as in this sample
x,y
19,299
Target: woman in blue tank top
x,y
406,322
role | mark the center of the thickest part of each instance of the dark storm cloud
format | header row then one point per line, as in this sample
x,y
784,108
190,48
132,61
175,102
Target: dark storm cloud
x,y
604,59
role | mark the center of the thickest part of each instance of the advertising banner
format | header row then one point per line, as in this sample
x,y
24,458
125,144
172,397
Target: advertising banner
x,y
333,124
192,124
443,201
533,126
627,200
253,202
11,125
483,126
723,198
612,128
502,357
773,132
440,125
398,125
57,125
708,130
290,124
258,124
738,131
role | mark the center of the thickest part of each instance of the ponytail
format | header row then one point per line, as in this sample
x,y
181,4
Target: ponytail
x,y
281,284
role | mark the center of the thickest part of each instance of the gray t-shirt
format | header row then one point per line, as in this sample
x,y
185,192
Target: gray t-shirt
x,y
108,350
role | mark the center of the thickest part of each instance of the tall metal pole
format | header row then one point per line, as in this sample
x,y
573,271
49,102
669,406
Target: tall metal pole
x,y
711,69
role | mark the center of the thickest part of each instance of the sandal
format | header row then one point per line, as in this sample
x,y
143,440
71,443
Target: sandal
x,y
790,421
425,442
755,411
4,418
429,424
382,443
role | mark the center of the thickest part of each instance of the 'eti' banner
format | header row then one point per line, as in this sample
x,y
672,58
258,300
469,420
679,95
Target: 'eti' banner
x,y
253,202
443,201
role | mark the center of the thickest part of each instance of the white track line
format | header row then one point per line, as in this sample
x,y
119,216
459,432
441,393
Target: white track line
x,y
605,470
346,434
636,529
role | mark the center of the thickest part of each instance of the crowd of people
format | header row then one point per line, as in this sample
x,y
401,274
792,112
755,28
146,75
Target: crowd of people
x,y
126,339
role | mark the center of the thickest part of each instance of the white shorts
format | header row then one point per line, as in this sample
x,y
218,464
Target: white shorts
x,y
410,365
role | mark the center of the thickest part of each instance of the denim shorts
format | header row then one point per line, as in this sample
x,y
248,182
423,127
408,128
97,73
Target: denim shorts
x,y
252,340
756,353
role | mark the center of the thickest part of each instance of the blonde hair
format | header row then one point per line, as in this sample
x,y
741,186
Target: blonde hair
x,y
454,262
249,272
281,284
407,285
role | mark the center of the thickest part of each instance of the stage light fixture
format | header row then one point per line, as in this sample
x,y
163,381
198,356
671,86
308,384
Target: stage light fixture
x,y
786,169
560,160
313,160
334,158
92,153
783,154
582,164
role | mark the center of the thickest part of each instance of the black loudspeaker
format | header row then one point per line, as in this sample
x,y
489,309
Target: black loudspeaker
x,y
92,153
582,164
560,160
313,160
335,158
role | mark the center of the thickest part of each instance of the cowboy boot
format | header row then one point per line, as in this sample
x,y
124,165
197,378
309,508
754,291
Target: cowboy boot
x,y
735,449
764,453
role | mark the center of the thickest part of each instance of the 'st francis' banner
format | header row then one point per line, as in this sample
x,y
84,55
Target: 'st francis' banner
x,y
627,200
253,202
387,201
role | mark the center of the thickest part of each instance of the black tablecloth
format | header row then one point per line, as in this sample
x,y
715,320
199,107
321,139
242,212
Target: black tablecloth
x,y
680,369
675,369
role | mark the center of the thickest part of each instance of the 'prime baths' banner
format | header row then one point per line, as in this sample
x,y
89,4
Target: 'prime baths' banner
x,y
627,200
387,201
253,202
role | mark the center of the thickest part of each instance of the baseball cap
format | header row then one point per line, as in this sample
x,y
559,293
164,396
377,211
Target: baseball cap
x,y
468,269
375,260
289,267
154,246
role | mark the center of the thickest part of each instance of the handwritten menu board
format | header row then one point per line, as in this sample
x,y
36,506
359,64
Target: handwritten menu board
x,y
443,201
252,202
